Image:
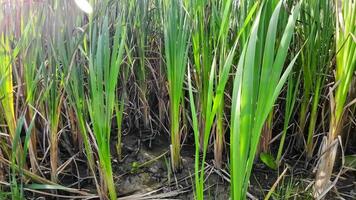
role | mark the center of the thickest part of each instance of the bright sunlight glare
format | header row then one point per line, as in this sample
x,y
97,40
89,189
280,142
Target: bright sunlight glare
x,y
84,5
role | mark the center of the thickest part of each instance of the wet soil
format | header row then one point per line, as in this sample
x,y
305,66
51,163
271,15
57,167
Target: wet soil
x,y
144,169
156,174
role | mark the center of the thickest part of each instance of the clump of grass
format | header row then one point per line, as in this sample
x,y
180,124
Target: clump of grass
x,y
53,99
104,69
202,56
215,88
290,188
32,58
345,68
16,179
75,70
292,92
53,95
315,60
141,27
6,91
176,38
213,104
258,81
210,22
8,55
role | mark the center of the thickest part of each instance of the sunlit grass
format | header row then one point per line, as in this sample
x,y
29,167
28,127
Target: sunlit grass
x,y
315,61
345,68
258,81
211,22
104,69
215,97
80,79
6,91
176,38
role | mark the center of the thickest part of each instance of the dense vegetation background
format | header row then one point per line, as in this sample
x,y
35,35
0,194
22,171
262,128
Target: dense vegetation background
x,y
96,93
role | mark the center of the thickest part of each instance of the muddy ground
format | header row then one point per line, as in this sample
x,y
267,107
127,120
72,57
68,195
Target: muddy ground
x,y
145,168
144,173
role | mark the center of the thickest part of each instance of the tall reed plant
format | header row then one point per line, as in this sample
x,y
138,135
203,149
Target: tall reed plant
x,y
54,74
52,100
105,58
176,39
216,91
315,60
345,68
291,98
141,30
258,81
17,165
210,23
213,103
7,56
32,58
74,65
202,31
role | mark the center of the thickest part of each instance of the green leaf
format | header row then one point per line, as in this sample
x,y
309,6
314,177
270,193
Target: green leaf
x,y
268,160
350,161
